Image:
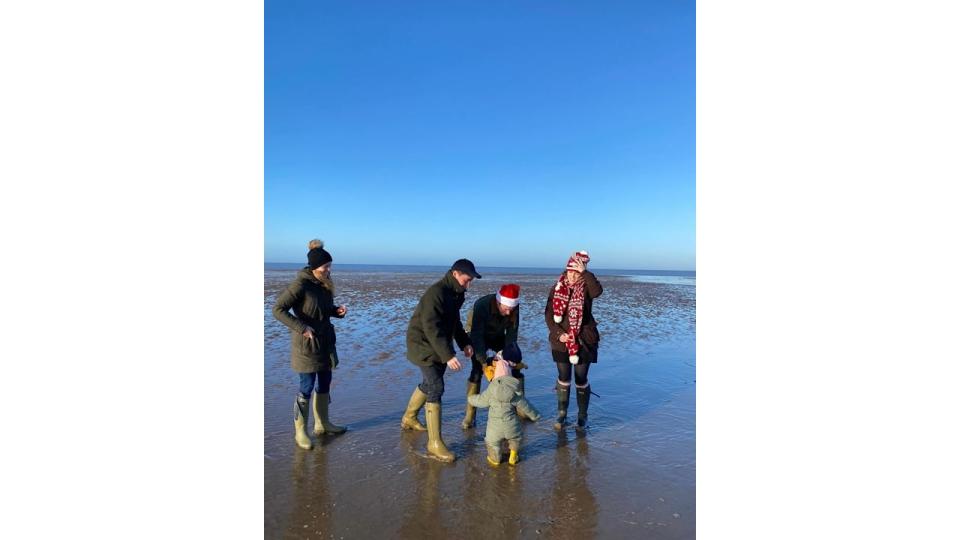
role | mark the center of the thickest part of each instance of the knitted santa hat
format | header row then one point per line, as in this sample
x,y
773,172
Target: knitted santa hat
x,y
579,256
509,295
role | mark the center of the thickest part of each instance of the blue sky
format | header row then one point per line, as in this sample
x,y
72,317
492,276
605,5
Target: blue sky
x,y
510,133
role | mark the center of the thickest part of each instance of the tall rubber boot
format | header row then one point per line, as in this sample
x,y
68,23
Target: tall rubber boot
x,y
321,416
473,388
493,455
563,400
520,414
409,420
300,423
583,401
435,444
514,445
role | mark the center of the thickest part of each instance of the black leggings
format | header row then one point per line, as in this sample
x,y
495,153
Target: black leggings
x,y
564,367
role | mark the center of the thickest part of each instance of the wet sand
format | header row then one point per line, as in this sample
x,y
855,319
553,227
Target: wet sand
x,y
631,475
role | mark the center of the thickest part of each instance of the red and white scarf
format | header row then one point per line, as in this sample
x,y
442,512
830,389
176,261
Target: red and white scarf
x,y
568,299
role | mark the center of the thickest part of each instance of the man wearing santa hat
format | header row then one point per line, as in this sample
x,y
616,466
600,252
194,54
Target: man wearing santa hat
x,y
493,323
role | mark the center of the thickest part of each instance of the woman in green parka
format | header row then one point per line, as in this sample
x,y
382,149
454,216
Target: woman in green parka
x,y
313,351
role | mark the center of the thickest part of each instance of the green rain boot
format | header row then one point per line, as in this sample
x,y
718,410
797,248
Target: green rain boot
x,y
583,401
563,400
409,420
321,416
493,455
473,388
520,414
435,444
300,423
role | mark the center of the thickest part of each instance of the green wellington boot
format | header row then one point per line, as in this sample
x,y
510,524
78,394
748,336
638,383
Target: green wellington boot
x,y
520,414
409,420
473,388
493,455
435,444
583,401
563,400
321,416
300,423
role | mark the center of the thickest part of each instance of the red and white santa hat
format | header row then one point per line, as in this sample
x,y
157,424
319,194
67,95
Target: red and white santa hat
x,y
509,295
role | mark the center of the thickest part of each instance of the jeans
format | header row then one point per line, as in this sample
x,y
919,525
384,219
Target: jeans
x,y
432,384
322,379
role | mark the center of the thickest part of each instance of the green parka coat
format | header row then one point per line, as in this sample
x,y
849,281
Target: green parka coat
x,y
435,324
312,305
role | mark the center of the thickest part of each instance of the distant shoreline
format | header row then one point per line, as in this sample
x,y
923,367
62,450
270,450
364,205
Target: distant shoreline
x,y
415,268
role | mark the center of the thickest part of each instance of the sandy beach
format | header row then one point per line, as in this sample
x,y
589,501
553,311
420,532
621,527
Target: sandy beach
x,y
632,474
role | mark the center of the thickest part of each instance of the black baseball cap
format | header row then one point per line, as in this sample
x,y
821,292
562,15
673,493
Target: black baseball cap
x,y
466,267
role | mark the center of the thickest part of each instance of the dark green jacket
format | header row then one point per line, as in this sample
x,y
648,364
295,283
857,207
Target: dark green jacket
x,y
589,334
436,323
489,329
312,305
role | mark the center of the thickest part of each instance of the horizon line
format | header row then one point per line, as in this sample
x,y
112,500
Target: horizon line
x,y
498,266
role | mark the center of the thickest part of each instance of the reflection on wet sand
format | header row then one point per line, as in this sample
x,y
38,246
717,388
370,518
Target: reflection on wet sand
x,y
311,512
422,509
573,508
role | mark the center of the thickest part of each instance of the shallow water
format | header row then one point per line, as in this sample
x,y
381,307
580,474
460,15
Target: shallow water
x,y
632,474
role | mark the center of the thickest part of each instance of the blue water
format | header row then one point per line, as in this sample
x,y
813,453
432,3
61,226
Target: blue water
x,y
416,269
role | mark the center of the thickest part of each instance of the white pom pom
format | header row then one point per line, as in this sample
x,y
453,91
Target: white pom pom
x,y
557,319
574,359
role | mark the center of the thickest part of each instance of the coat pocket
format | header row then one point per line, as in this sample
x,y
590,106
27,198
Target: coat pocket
x,y
590,334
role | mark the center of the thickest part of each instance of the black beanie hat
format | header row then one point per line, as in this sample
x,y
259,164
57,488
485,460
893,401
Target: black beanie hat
x,y
317,256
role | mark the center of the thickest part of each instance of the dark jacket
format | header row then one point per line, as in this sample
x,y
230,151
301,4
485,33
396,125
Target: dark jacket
x,y
489,329
313,306
589,334
436,323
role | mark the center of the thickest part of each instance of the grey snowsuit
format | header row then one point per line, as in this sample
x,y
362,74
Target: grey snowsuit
x,y
503,397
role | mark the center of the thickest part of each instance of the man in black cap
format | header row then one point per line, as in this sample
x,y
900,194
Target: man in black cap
x,y
435,324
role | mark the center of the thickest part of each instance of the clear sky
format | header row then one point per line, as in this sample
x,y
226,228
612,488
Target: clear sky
x,y
508,132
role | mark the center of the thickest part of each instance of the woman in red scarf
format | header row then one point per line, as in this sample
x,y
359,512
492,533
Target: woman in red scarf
x,y
573,333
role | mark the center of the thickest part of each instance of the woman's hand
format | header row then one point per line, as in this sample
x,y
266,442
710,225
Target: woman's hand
x,y
453,364
308,333
578,267
342,310
564,337
468,350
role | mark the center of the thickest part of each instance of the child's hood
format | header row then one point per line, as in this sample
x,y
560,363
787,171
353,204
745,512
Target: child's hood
x,y
505,388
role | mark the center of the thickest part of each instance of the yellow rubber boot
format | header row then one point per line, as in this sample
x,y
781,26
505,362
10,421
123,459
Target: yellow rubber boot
x,y
300,423
321,416
514,457
473,388
409,420
435,444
